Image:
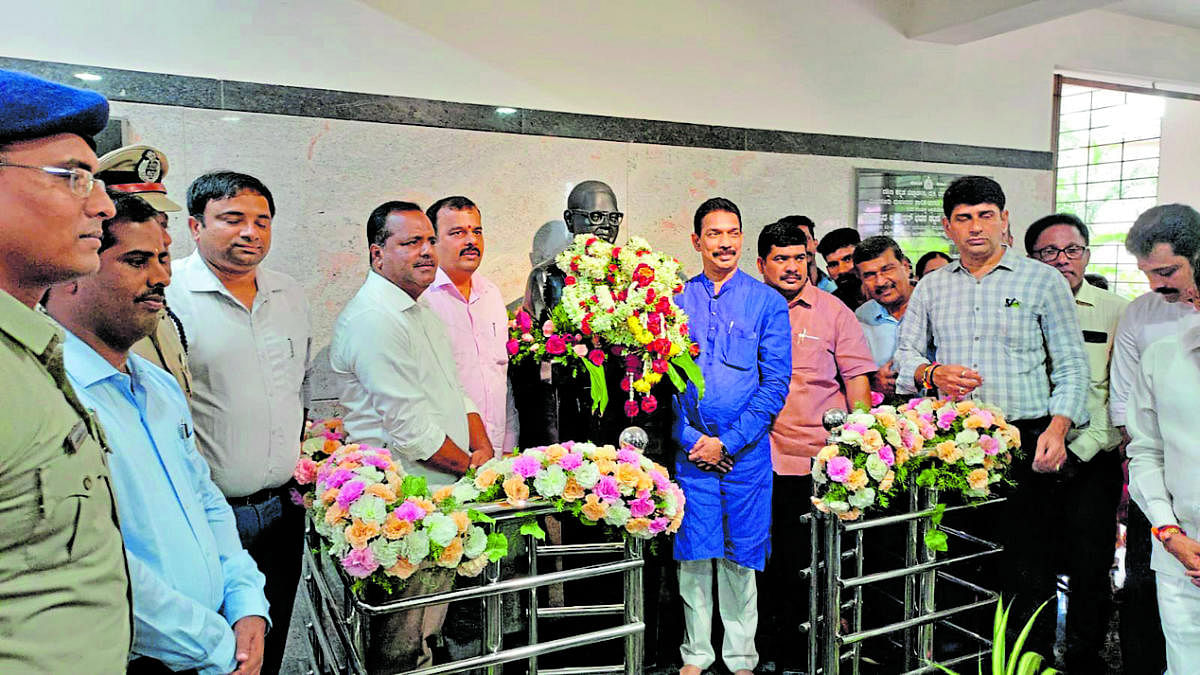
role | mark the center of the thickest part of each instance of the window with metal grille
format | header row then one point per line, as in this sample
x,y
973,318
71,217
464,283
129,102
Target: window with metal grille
x,y
1107,170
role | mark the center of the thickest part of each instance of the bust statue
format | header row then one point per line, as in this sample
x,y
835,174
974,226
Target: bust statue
x,y
549,399
591,209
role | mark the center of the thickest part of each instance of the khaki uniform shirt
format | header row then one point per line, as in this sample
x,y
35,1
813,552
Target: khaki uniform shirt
x,y
64,585
1099,313
164,348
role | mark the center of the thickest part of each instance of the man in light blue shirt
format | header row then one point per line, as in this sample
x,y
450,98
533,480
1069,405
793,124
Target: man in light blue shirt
x,y
885,273
198,596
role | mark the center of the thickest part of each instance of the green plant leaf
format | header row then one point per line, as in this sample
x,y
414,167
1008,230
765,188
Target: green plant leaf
x,y
479,517
497,546
1020,642
939,511
683,360
531,528
676,379
414,486
935,540
598,385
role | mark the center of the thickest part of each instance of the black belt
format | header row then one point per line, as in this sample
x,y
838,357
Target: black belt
x,y
260,497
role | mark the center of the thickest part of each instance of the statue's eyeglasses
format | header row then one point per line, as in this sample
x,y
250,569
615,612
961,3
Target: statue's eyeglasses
x,y
1050,253
600,217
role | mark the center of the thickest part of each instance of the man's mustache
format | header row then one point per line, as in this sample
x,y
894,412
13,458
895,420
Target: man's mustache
x,y
468,249
1166,290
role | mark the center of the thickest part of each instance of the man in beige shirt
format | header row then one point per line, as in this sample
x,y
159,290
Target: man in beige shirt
x,y
64,586
1091,476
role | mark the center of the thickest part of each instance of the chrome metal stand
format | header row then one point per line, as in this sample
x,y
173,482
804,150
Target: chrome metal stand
x,y
339,627
835,623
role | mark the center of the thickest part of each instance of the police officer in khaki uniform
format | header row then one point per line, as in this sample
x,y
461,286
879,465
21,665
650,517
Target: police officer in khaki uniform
x,y
64,587
139,170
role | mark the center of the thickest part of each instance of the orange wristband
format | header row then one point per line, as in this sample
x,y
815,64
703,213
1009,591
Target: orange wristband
x,y
1162,534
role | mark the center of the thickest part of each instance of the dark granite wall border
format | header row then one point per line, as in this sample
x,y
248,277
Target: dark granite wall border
x,y
199,92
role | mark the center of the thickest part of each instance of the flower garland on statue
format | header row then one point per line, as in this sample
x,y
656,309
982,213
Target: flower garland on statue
x,y
382,526
597,484
955,446
619,298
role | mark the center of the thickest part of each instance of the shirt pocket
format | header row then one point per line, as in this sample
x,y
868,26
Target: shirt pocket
x,y
1019,329
65,518
741,349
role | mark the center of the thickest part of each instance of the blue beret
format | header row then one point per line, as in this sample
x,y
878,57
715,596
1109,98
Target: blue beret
x,y
31,107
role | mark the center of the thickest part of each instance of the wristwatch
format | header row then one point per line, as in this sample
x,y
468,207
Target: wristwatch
x,y
1163,534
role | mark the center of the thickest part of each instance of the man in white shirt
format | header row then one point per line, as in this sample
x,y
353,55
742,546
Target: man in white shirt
x,y
397,374
473,312
249,344
1163,239
1164,480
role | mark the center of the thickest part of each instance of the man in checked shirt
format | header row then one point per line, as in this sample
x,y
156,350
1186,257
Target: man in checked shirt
x,y
1005,332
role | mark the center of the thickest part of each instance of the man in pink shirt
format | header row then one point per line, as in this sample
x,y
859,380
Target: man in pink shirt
x,y
831,363
473,310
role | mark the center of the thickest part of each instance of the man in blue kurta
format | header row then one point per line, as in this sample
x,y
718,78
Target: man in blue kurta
x,y
198,601
724,459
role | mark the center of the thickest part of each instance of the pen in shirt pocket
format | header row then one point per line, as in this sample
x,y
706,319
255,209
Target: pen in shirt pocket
x,y
291,349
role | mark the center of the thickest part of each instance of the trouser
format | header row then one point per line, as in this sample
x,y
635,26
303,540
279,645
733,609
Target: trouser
x,y
1179,605
1142,647
1088,536
1061,523
271,528
783,605
738,598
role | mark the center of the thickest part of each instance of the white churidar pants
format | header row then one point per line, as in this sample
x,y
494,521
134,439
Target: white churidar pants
x,y
737,595
1179,607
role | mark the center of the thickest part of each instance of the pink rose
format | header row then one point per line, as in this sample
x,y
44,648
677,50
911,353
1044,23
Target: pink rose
x,y
548,327
661,482
607,489
626,383
570,461
658,525
513,346
526,466
360,562
886,454
524,321
859,428
306,471
641,507
526,338
631,408
627,456
838,469
946,418
408,511
876,398
581,351
989,444
570,280
555,345
349,492
596,357
659,366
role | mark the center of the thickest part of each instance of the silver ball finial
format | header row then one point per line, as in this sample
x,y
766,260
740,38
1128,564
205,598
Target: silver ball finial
x,y
833,418
634,436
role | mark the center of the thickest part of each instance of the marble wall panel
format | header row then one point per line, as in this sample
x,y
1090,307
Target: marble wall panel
x,y
328,174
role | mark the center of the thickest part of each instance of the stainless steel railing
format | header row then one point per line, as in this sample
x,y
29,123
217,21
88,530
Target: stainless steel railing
x,y
339,627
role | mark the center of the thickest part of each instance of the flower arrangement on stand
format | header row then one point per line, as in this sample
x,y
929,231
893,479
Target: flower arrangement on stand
x,y
950,446
866,463
969,446
622,489
618,302
382,526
